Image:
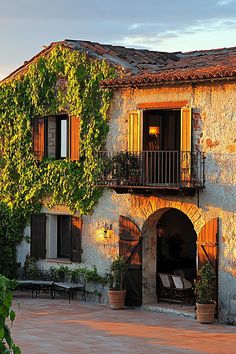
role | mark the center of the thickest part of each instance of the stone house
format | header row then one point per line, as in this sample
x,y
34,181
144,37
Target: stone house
x,y
167,170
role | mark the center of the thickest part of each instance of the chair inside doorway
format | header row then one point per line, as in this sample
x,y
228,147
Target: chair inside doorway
x,y
176,256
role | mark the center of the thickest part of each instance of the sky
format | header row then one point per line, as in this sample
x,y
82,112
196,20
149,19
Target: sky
x,y
26,26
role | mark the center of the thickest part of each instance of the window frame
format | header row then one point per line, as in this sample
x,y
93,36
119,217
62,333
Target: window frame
x,y
59,119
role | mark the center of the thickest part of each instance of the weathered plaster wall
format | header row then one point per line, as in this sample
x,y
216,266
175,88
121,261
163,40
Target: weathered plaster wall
x,y
214,122
214,127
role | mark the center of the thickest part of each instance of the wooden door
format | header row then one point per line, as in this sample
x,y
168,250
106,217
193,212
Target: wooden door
x,y
207,248
130,247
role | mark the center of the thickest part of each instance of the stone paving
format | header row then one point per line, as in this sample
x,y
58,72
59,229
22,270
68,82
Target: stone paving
x,y
45,326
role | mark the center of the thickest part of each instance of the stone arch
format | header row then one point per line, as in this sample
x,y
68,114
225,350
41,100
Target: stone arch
x,y
150,241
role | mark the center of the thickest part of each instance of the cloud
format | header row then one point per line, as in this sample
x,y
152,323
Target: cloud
x,y
225,2
26,25
204,34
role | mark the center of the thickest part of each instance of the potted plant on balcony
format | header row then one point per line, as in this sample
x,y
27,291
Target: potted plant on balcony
x,y
205,305
116,292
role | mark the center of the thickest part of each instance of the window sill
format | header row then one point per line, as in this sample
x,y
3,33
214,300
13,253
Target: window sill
x,y
59,260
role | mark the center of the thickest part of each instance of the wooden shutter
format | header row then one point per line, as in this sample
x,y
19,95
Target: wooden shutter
x,y
38,128
74,137
76,235
129,235
38,236
130,247
207,247
207,244
135,132
186,144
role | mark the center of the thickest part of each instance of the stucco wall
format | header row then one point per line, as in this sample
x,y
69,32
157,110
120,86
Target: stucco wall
x,y
214,123
214,126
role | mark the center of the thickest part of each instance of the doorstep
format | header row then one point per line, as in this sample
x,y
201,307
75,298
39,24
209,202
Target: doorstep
x,y
173,309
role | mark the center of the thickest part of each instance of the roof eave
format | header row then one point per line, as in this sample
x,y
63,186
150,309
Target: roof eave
x,y
166,82
23,68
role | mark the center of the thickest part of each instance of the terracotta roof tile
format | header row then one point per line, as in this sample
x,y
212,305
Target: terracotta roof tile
x,y
142,66
192,66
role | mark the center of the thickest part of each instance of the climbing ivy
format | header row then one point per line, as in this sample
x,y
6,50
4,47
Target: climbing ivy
x,y
7,344
25,183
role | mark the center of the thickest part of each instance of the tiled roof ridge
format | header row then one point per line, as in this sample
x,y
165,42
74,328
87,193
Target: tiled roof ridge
x,y
138,62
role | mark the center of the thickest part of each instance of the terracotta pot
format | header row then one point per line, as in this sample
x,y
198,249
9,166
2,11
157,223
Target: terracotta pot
x,y
205,312
117,299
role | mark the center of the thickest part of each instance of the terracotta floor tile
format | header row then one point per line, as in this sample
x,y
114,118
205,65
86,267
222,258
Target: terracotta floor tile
x,y
45,326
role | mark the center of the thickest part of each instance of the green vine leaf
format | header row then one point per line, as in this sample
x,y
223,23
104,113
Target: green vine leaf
x,y
25,184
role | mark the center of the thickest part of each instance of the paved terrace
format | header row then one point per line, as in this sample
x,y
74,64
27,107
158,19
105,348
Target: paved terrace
x,y
54,326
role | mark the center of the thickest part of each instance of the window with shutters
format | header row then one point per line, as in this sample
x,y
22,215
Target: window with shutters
x,y
56,236
159,154
56,137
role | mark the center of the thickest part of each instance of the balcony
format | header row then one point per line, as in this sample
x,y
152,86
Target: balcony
x,y
150,171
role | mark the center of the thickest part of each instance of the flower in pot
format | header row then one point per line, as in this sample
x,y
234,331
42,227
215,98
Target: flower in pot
x,y
116,292
205,305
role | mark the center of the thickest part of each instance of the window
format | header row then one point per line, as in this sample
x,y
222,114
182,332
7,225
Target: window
x,y
163,131
56,236
56,137
61,137
63,236
167,126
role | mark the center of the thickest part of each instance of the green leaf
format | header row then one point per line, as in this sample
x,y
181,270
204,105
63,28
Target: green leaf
x,y
12,315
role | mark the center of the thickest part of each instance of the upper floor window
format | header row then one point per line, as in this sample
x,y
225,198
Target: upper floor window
x,y
62,137
56,137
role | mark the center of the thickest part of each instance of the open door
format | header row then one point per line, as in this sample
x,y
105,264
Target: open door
x,y
130,247
207,248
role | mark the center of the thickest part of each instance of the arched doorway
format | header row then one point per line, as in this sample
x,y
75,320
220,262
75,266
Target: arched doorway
x,y
176,244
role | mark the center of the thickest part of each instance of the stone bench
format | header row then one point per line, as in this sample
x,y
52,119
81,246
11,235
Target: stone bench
x,y
70,288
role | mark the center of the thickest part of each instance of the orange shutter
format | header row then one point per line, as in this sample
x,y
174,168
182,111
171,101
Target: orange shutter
x,y
207,247
74,138
76,235
207,244
186,144
38,137
135,132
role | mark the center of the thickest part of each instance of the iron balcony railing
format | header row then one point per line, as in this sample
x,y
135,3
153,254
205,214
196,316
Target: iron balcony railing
x,y
152,169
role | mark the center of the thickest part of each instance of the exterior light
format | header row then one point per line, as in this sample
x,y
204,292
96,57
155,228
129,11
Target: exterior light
x,y
104,230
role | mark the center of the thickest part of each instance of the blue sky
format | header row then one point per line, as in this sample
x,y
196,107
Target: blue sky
x,y
166,25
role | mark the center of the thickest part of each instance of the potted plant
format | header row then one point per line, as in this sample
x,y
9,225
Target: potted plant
x,y
116,292
205,305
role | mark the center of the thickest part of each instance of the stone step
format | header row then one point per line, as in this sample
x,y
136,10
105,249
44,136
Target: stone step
x,y
176,310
